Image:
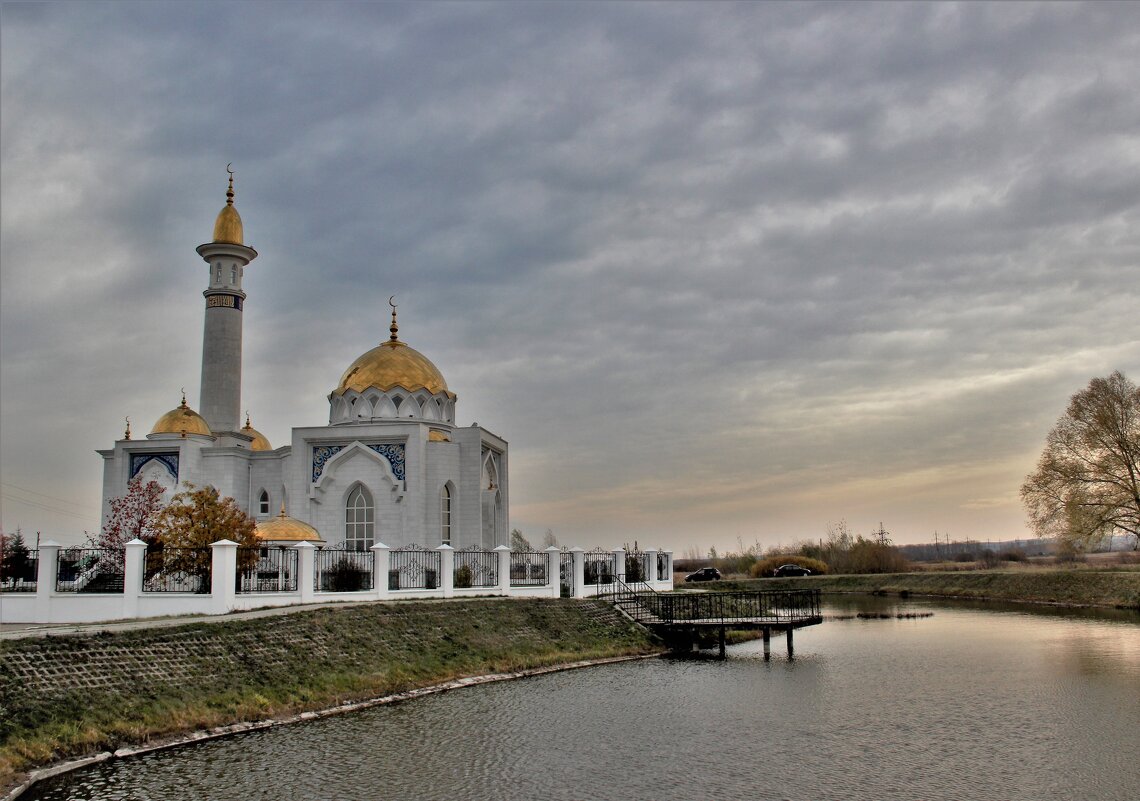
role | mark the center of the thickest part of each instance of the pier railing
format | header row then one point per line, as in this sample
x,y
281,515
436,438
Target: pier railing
x,y
777,608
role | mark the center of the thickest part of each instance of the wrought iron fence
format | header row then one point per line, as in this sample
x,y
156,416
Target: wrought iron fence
x,y
566,574
528,568
266,570
336,570
90,570
178,570
20,575
663,567
599,567
475,567
637,567
414,567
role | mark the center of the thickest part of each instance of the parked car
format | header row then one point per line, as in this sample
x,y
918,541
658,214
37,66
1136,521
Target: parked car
x,y
790,570
704,574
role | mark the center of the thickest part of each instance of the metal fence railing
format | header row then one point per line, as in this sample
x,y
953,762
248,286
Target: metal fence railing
x,y
528,568
90,570
414,568
566,574
475,567
178,570
599,567
664,566
637,567
266,570
336,570
20,575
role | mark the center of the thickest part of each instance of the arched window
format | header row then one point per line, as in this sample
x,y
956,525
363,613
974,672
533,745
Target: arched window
x,y
445,515
263,503
359,522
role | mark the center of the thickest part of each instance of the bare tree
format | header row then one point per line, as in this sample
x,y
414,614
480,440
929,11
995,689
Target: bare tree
x,y
1087,482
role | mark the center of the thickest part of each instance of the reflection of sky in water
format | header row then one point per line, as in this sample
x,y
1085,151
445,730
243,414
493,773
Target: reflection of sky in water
x,y
1011,705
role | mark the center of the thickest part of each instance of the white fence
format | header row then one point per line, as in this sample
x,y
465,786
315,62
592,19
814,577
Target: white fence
x,y
564,575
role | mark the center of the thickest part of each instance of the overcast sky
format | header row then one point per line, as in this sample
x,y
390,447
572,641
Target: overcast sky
x,y
720,273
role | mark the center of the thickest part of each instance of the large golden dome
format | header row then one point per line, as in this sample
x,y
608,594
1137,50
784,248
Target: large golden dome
x,y
182,420
392,364
286,529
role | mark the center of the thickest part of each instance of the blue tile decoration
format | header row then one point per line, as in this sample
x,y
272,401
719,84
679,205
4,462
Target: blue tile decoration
x,y
395,456
168,460
394,453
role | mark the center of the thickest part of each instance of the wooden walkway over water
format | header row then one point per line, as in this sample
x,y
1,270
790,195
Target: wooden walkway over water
x,y
682,619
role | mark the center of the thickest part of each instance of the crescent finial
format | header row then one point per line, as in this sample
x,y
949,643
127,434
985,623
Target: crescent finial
x,y
393,328
390,303
230,164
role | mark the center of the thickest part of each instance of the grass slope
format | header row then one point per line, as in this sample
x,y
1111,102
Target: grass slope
x,y
1107,588
71,695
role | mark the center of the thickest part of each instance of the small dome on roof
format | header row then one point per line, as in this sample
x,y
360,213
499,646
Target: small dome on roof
x,y
286,529
182,420
259,443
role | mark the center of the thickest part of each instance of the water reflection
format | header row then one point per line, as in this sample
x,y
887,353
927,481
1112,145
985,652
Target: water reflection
x,y
967,704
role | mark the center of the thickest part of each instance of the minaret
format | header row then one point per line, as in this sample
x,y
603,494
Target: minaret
x,y
227,257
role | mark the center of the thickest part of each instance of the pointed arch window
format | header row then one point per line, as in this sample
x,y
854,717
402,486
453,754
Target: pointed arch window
x,y
359,521
263,503
445,515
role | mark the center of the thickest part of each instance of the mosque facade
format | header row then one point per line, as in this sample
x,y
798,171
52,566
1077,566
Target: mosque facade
x,y
391,466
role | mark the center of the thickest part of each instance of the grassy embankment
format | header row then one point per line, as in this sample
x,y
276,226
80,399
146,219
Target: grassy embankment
x,y
1080,587
66,696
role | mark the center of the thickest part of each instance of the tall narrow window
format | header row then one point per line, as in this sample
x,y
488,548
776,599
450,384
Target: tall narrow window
x,y
263,503
358,521
445,515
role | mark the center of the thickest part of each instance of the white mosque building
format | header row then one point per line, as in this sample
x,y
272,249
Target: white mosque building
x,y
391,466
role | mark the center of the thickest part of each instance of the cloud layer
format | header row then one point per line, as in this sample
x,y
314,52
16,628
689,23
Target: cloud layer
x,y
720,273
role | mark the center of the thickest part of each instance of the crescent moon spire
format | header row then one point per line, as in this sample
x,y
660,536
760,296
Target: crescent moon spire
x,y
393,328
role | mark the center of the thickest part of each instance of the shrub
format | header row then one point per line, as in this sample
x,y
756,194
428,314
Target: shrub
x,y
765,567
463,577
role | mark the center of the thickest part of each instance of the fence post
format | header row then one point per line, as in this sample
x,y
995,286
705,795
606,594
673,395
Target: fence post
x,y
579,557
46,572
619,564
554,570
447,570
305,579
649,566
504,552
382,561
223,576
133,567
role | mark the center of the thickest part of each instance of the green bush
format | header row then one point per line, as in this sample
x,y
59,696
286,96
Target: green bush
x,y
463,577
765,567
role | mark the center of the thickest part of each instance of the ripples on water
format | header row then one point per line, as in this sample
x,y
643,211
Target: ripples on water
x,y
1007,706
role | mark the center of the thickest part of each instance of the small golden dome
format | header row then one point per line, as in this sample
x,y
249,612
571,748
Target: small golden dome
x,y
227,228
286,529
435,435
392,364
259,443
182,420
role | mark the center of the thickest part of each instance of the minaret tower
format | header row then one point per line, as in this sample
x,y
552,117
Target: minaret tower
x,y
227,257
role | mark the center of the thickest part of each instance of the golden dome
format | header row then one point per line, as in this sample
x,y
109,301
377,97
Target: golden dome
x,y
259,443
392,364
182,420
435,435
286,529
227,228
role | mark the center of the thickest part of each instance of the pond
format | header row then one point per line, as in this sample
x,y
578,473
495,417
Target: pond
x,y
973,702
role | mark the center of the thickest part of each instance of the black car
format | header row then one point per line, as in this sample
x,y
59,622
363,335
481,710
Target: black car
x,y
790,570
704,574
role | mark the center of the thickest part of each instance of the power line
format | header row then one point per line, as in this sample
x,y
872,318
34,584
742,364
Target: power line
x,y
41,494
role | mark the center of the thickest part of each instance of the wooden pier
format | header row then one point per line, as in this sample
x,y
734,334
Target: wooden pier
x,y
684,619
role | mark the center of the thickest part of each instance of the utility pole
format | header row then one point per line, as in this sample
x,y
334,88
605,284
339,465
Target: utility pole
x,y
882,535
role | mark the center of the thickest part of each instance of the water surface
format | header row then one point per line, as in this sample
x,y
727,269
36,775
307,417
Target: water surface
x,y
1013,705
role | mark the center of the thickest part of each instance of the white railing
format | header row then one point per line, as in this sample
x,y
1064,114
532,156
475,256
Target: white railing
x,y
48,605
